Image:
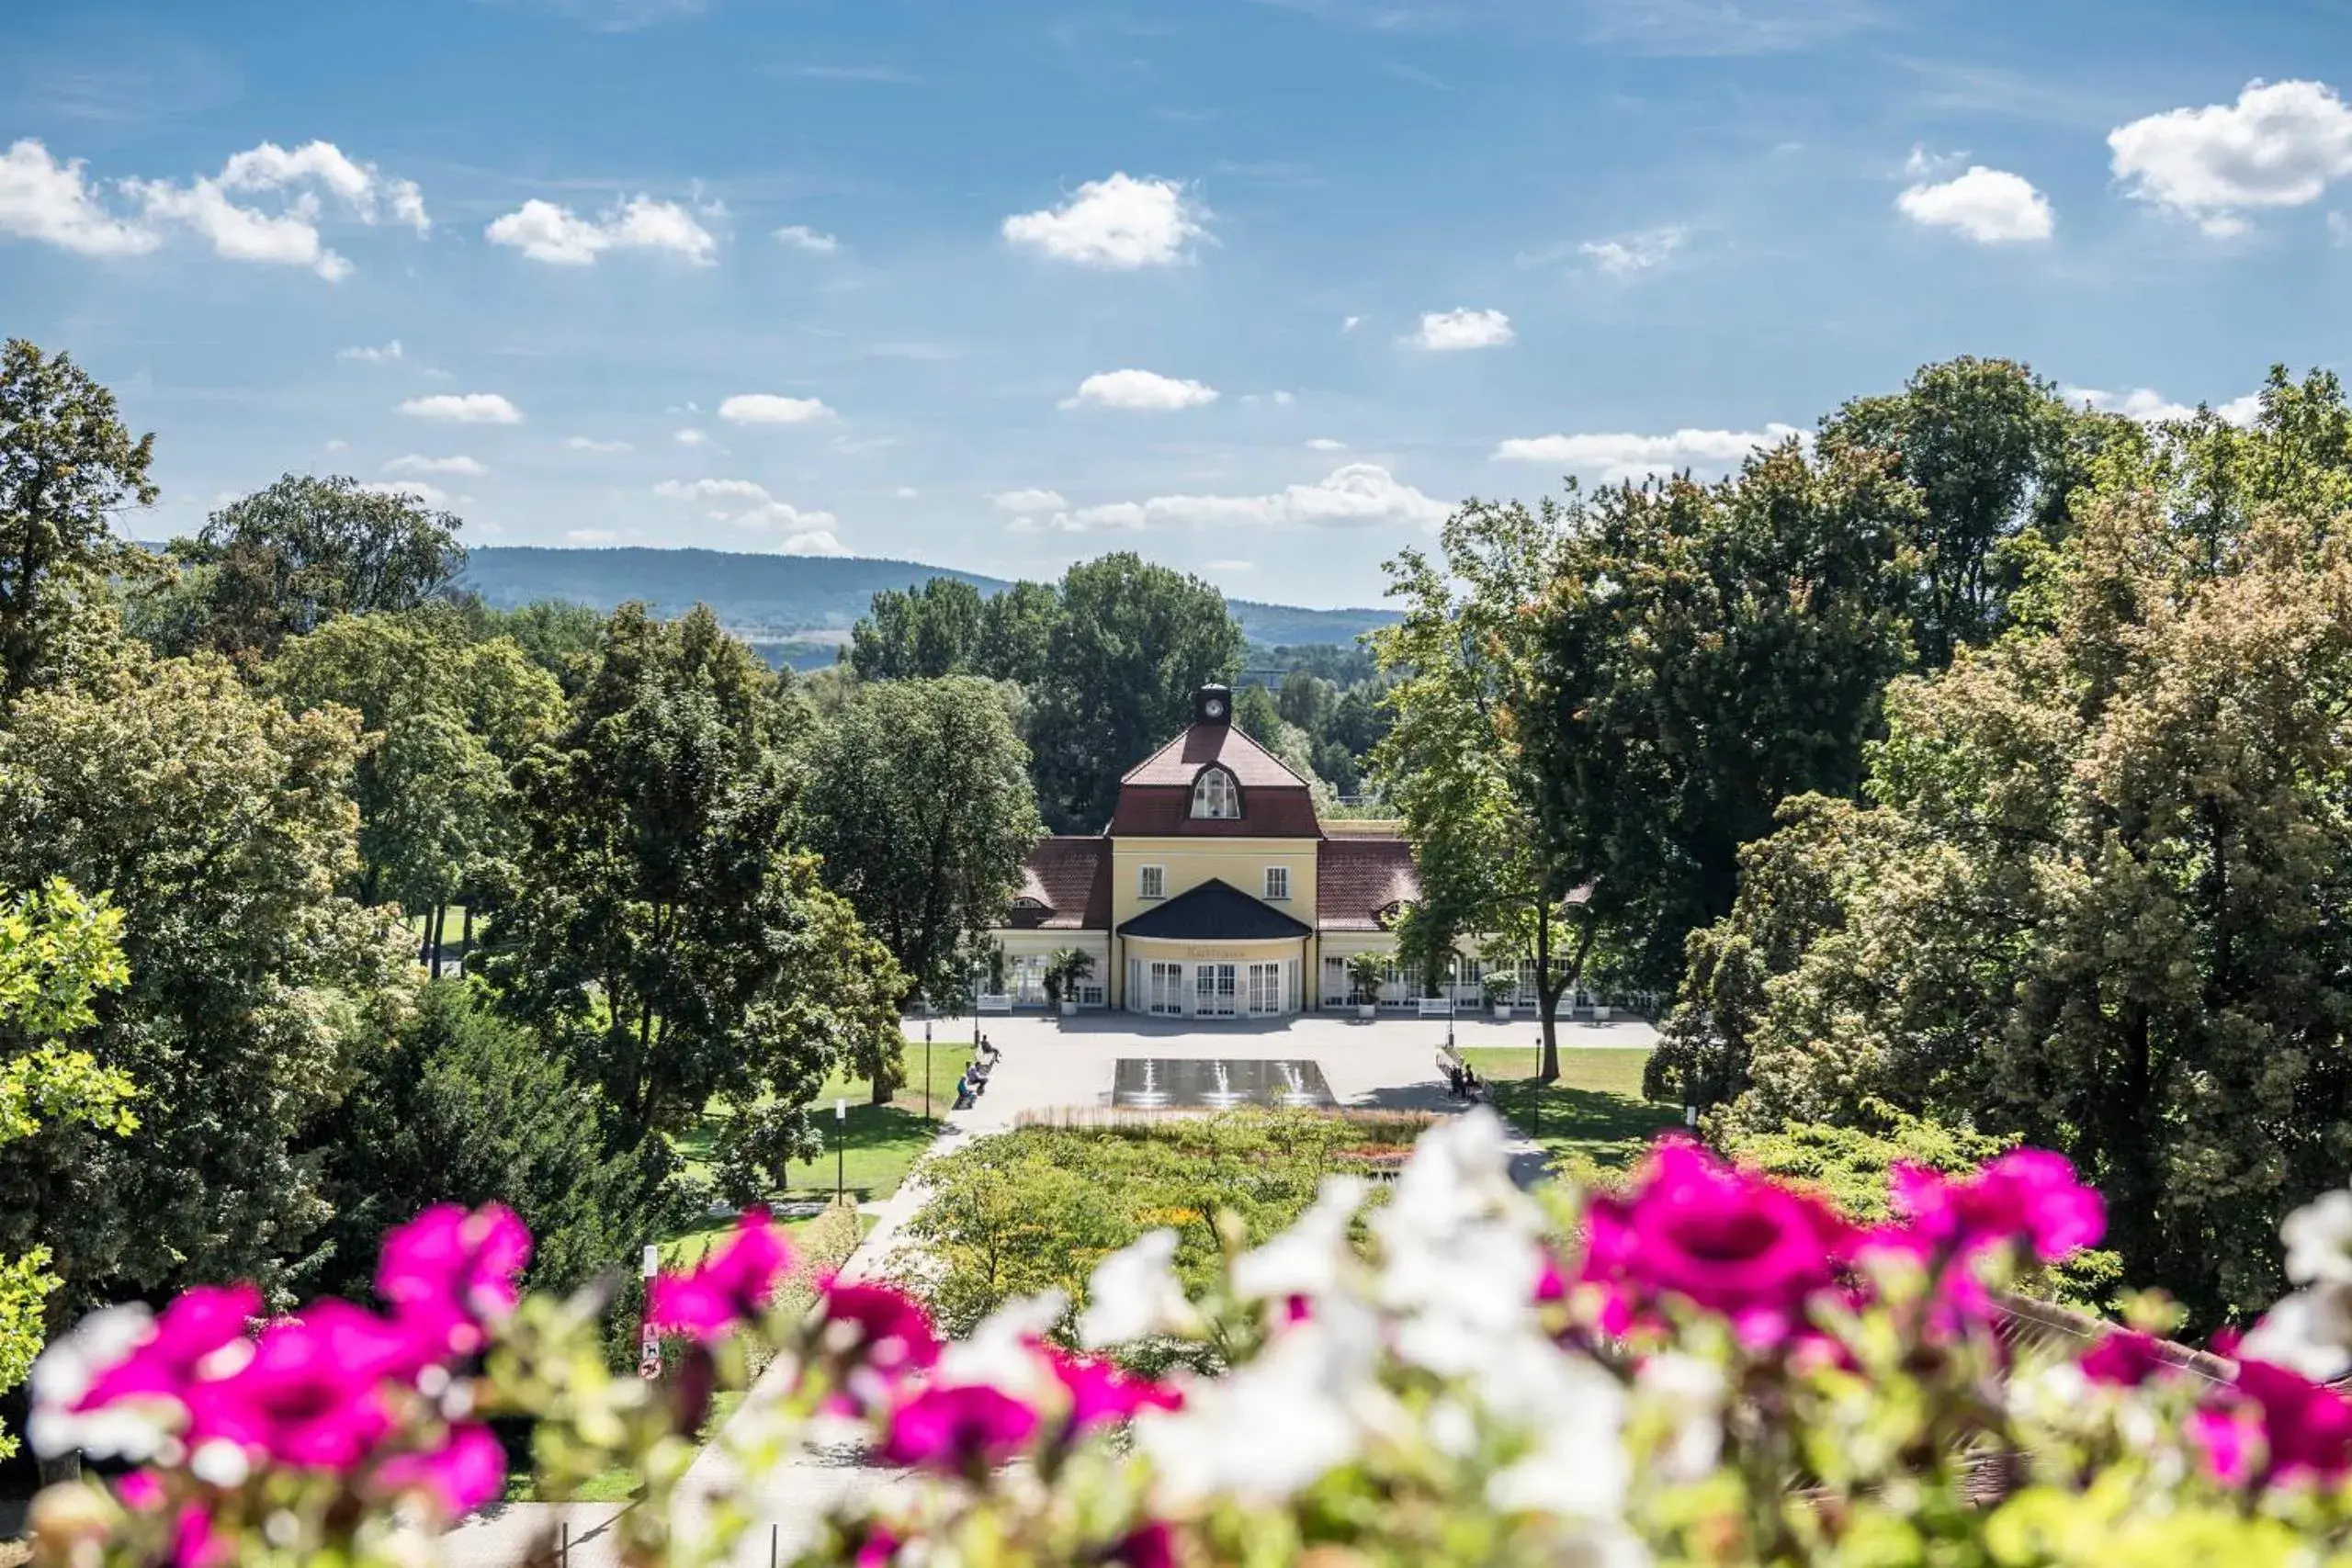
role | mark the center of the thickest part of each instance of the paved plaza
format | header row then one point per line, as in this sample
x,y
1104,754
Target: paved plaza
x,y
1045,1064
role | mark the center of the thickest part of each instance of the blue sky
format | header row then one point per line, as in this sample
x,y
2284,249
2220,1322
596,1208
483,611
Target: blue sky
x,y
1258,288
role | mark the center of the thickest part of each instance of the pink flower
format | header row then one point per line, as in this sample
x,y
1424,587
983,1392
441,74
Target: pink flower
x,y
196,1544
729,1287
1726,1240
1100,1394
2302,1428
2028,1196
466,1471
446,1271
2126,1358
875,1550
890,1330
312,1393
959,1430
1150,1545
139,1491
187,1333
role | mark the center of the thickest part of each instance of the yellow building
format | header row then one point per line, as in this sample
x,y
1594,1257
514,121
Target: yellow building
x,y
1214,891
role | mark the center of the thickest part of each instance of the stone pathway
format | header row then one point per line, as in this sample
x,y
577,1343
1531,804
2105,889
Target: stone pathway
x,y
1045,1064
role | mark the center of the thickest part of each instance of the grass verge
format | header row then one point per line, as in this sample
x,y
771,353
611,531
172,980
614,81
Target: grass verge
x,y
1592,1120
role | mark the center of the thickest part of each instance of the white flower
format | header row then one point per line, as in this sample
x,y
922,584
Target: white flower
x,y
1002,1351
1133,1293
126,1429
1308,1258
1460,1258
2309,1332
1690,1391
1576,1413
1276,1425
2319,1240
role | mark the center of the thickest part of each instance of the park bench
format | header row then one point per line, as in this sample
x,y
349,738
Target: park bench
x,y
996,1001
1437,1007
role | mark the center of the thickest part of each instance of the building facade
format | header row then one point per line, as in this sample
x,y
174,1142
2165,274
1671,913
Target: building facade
x,y
1214,891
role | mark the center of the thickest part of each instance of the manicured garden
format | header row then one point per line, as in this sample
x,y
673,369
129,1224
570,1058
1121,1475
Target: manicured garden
x,y
1036,1208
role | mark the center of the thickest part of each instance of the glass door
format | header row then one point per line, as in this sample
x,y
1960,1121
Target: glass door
x,y
1212,990
1168,989
1265,990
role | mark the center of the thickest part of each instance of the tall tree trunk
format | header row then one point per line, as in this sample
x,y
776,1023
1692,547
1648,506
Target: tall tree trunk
x,y
1547,997
466,936
440,919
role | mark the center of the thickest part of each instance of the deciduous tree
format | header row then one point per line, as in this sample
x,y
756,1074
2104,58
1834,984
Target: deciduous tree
x,y
1132,644
67,465
919,800
221,825
666,935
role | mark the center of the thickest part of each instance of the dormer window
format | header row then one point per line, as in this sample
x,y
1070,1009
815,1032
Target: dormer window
x,y
1215,797
1025,902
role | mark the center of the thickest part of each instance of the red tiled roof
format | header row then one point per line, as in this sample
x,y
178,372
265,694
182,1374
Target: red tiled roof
x,y
1181,761
1066,880
1355,879
1265,814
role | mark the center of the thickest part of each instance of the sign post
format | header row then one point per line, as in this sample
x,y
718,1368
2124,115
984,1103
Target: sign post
x,y
648,1343
841,1130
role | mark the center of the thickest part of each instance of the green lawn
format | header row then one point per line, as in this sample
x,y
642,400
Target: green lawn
x,y
1592,1118
878,1142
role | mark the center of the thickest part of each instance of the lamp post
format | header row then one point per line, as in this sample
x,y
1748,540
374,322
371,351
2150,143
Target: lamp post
x,y
975,1004
648,1343
841,1141
926,1064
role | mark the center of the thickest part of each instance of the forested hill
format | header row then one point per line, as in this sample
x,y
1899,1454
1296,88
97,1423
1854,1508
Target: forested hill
x,y
785,595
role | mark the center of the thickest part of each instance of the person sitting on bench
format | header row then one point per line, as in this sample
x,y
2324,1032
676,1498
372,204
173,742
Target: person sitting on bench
x,y
964,1093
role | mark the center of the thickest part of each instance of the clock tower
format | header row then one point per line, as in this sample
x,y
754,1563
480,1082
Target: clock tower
x,y
1212,703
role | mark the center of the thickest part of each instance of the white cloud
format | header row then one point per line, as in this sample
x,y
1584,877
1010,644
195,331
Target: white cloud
x,y
1350,324
1447,330
767,408
1140,389
338,445
1359,495
1022,502
906,493
557,235
588,536
1991,206
587,443
1229,566
815,542
464,408
388,354
432,495
1120,222
2277,146
801,237
1923,165
805,533
2149,406
1284,399
1630,253
711,489
690,437
289,236
1613,457
1325,444
43,200
416,463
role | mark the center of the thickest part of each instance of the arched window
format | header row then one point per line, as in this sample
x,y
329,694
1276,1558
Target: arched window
x,y
1215,795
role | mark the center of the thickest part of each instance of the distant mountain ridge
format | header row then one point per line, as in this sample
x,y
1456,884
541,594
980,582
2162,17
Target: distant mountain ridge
x,y
816,597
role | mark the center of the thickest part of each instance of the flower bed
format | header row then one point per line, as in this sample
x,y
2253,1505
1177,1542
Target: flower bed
x,y
1725,1372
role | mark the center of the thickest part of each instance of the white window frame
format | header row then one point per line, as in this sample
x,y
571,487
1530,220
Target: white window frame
x,y
1151,882
1278,885
1219,805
